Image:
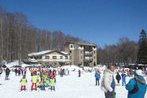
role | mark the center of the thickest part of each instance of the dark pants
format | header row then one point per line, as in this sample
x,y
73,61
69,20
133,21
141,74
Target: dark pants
x,y
23,87
123,82
110,95
7,77
118,81
34,88
52,88
97,82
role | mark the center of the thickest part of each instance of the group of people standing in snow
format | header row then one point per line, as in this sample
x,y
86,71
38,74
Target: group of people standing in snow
x,y
136,86
20,71
40,79
46,79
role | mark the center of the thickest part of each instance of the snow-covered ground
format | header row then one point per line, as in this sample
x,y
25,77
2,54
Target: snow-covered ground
x,y
70,86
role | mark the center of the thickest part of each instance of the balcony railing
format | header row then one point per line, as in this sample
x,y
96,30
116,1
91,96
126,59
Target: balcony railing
x,y
88,59
87,53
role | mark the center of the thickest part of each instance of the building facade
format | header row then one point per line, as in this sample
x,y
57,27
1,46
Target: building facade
x,y
50,57
81,54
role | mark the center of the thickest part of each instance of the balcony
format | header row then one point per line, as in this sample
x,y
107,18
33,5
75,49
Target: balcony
x,y
87,53
88,59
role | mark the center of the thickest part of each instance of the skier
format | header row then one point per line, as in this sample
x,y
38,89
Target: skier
x,y
47,81
123,75
25,71
97,78
54,75
1,71
42,85
118,77
23,82
34,81
7,71
18,70
52,84
15,71
79,73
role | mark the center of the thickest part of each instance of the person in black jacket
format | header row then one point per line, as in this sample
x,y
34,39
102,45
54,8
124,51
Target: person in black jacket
x,y
15,71
1,71
7,73
79,73
118,77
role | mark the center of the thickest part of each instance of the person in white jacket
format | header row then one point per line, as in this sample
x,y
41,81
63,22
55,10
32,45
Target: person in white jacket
x,y
108,82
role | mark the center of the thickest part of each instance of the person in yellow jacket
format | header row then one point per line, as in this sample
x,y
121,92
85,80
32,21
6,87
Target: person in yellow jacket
x,y
23,82
34,82
52,84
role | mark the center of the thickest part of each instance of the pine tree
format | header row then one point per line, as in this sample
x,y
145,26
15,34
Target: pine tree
x,y
142,52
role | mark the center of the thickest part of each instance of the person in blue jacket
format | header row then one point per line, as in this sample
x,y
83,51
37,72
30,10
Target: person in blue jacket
x,y
137,86
97,77
123,76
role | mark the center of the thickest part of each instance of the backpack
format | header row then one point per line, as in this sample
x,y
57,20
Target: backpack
x,y
135,89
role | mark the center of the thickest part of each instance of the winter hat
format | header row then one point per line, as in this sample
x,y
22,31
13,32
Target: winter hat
x,y
139,72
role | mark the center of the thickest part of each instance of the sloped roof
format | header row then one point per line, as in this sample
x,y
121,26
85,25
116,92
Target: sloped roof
x,y
46,52
39,53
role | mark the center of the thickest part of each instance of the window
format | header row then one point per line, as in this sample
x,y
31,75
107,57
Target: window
x,y
66,57
38,57
54,57
47,57
71,46
94,52
61,57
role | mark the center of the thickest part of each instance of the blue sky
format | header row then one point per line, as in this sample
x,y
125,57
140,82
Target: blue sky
x,y
98,21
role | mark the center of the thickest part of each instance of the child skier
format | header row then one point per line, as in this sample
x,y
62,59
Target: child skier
x,y
42,85
23,82
47,81
52,84
34,81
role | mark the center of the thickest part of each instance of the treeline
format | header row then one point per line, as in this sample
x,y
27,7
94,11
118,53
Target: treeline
x,y
142,51
18,37
123,52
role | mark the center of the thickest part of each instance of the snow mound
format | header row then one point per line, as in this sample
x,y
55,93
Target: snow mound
x,y
72,67
16,63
